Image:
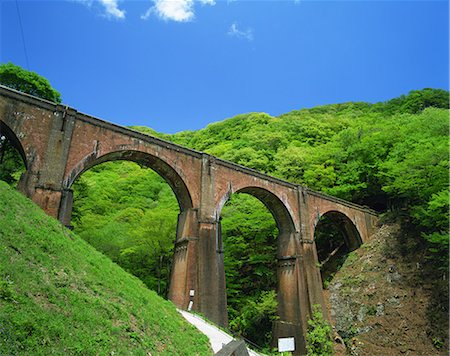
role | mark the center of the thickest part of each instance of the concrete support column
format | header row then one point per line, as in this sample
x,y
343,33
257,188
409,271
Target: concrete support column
x,y
28,182
58,146
183,277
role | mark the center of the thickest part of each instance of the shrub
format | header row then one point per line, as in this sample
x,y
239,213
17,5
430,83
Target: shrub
x,y
318,338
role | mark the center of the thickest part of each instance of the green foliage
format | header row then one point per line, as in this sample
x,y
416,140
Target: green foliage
x,y
438,343
256,316
130,214
28,82
331,248
249,238
319,338
7,291
418,100
58,295
11,163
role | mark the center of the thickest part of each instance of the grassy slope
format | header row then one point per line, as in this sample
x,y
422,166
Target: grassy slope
x,y
59,295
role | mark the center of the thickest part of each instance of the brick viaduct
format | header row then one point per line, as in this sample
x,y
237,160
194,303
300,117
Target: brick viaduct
x,y
58,144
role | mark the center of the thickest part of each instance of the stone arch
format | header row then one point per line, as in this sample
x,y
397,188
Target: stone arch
x,y
161,167
280,212
6,131
349,229
335,236
289,269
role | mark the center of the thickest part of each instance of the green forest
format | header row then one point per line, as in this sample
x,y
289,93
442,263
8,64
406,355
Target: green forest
x,y
391,156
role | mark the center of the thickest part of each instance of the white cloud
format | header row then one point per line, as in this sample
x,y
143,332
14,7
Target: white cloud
x,y
147,14
246,34
110,7
87,3
175,10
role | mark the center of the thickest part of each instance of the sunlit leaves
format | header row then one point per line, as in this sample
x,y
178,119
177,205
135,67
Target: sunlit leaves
x,y
28,82
130,214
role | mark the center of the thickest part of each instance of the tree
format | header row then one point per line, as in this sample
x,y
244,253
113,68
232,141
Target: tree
x,y
318,337
17,78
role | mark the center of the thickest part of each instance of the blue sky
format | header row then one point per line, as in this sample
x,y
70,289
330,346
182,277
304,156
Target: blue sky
x,y
177,65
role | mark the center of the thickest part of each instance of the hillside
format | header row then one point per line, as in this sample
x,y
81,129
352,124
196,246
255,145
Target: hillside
x,y
58,295
381,301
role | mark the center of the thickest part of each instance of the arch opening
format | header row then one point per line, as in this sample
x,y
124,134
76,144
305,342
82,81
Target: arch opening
x,y
13,161
144,160
255,227
335,236
129,211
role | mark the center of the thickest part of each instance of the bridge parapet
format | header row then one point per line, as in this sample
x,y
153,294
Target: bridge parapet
x,y
340,201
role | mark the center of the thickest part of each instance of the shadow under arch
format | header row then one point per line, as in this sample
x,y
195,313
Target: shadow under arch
x,y
169,174
335,236
6,131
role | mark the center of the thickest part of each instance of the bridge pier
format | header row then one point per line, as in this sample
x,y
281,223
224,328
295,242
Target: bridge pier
x,y
309,253
290,290
198,274
291,293
211,273
56,203
183,278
